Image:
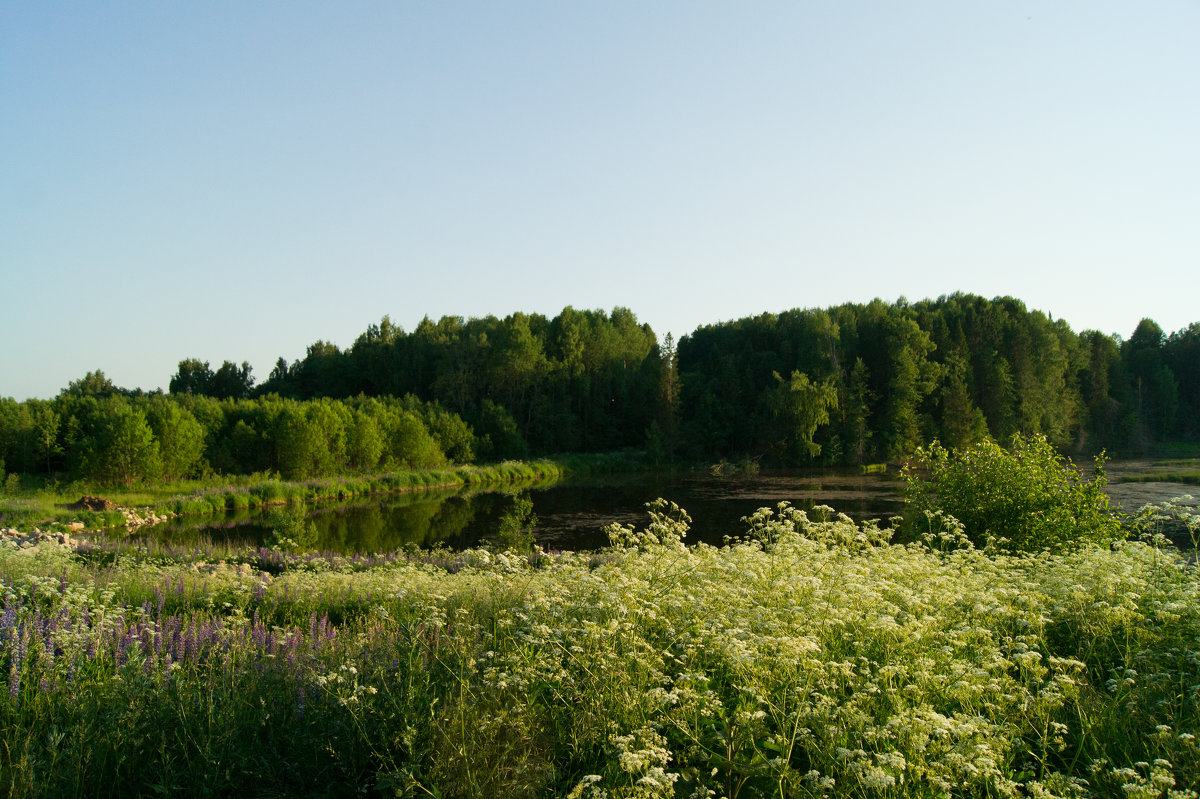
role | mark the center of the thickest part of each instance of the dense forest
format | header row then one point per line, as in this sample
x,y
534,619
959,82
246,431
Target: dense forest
x,y
854,384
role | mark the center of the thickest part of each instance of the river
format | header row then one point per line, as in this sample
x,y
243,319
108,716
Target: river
x,y
572,514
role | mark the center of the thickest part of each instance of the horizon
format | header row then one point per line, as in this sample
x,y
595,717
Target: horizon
x,y
236,182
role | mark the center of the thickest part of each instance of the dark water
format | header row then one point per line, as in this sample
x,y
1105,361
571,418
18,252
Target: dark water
x,y
570,515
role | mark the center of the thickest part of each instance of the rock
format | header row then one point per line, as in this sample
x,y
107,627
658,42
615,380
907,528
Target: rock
x,y
75,526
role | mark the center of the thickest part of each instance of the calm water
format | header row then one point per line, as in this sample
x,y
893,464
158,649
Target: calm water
x,y
570,515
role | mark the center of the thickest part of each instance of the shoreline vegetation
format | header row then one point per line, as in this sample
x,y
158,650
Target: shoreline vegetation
x,y
134,507
851,385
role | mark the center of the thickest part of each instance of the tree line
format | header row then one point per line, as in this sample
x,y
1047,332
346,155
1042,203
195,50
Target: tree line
x,y
97,432
852,384
873,381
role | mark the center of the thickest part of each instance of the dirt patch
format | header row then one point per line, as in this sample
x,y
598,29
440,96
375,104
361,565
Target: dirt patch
x,y
93,504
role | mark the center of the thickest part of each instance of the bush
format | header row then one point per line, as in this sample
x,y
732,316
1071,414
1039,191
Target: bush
x,y
1027,497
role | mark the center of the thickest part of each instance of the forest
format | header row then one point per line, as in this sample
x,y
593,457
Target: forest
x,y
848,385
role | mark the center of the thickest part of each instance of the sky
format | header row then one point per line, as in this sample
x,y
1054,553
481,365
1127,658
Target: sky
x,y
235,181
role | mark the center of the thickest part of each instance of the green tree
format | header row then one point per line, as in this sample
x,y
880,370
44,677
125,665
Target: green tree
x,y
1182,355
799,407
364,442
963,424
231,381
46,422
665,427
93,384
499,437
856,416
1155,392
298,443
409,443
119,448
192,377
180,437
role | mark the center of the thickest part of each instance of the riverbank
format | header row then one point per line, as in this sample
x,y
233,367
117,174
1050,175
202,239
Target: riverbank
x,y
57,509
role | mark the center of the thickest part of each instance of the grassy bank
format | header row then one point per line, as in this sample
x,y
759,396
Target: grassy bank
x,y
27,507
813,659
1183,471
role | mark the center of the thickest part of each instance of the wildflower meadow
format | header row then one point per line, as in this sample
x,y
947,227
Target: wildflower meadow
x,y
809,657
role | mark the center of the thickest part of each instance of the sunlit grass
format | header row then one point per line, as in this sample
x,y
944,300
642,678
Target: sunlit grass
x,y
813,658
215,495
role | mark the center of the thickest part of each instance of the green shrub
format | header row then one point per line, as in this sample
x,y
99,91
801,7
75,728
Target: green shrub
x,y
1027,497
270,491
516,525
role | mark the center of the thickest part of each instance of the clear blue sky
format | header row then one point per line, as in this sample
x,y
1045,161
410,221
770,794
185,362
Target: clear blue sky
x,y
233,180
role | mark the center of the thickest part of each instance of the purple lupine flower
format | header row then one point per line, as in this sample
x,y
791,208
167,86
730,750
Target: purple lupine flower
x,y
191,647
22,643
9,620
204,634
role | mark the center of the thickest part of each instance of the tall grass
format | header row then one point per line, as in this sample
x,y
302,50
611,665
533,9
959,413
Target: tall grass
x,y
809,658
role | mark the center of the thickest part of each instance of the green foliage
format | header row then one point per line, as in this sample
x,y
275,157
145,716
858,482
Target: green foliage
x,y
812,659
192,377
291,529
499,437
515,531
1026,498
93,384
180,437
410,444
119,446
881,380
800,407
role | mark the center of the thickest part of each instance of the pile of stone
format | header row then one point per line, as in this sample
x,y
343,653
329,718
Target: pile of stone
x,y
37,537
135,517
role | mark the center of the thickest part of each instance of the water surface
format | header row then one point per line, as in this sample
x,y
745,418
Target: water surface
x,y
570,514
